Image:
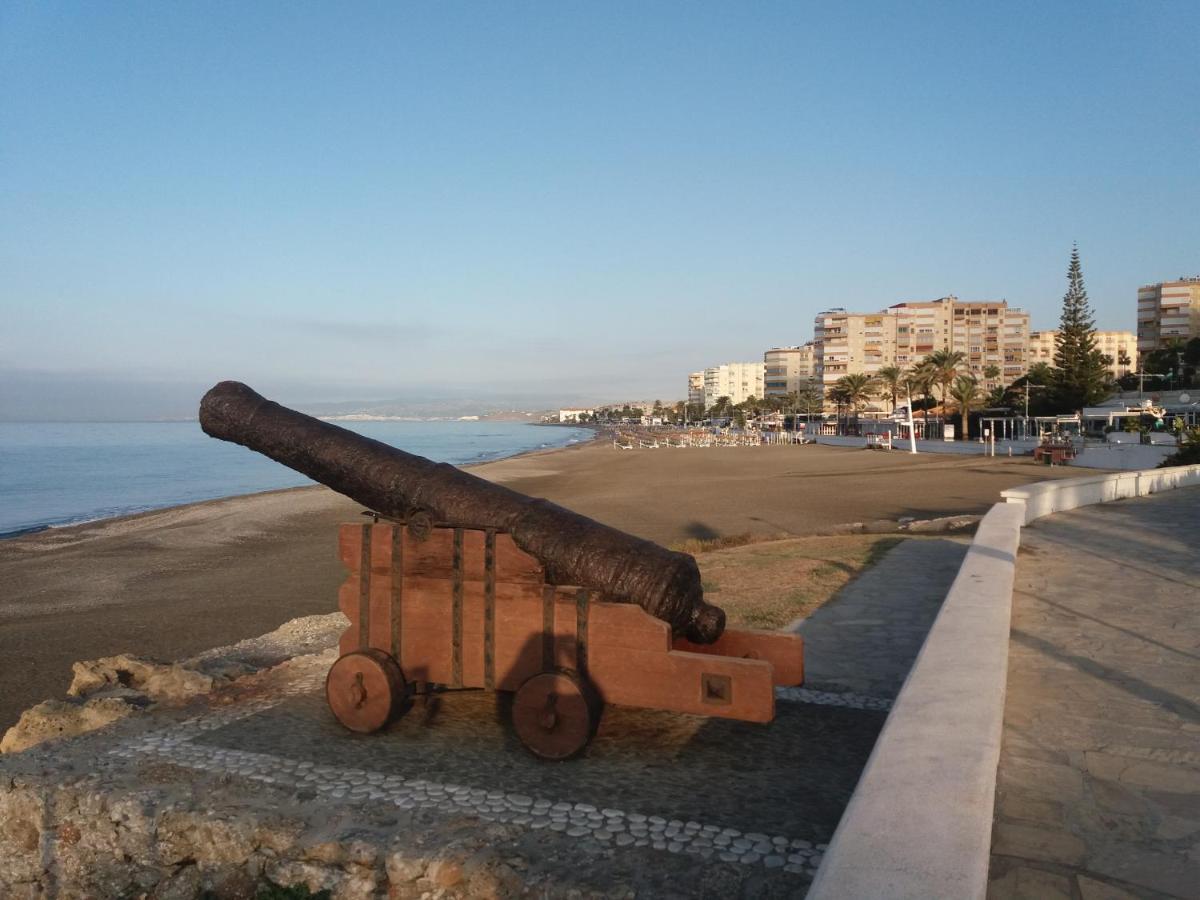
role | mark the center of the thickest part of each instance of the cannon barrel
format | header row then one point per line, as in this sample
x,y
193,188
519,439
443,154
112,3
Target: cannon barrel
x,y
573,548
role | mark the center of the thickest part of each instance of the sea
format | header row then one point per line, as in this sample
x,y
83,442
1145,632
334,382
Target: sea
x,y
54,474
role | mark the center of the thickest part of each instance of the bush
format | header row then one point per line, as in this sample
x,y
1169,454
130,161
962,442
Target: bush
x,y
1188,453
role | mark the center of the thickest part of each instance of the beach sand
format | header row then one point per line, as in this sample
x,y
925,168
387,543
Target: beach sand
x,y
171,583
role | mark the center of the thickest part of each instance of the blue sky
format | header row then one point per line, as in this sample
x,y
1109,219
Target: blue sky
x,y
343,201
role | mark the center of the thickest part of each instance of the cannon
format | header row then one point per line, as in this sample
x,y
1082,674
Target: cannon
x,y
463,583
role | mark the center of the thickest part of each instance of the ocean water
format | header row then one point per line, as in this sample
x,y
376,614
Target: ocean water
x,y
63,473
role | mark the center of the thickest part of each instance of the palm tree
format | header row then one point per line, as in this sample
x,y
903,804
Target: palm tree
x,y
966,391
858,389
1040,373
810,401
837,396
946,364
722,408
890,380
921,380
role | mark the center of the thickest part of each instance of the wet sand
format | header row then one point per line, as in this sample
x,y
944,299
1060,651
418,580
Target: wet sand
x,y
171,583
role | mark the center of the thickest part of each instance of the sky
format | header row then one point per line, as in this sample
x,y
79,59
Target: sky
x,y
558,202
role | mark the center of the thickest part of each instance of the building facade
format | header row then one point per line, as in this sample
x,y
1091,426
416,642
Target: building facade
x,y
991,335
737,381
695,394
846,342
787,370
573,414
1167,311
1119,346
987,333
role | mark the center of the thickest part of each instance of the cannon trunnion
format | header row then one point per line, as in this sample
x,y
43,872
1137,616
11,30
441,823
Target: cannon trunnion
x,y
465,607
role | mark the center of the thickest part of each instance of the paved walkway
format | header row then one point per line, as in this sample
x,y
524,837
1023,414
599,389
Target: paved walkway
x,y
1098,794
865,640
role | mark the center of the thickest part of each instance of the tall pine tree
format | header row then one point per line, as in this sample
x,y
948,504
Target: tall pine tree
x,y
1081,374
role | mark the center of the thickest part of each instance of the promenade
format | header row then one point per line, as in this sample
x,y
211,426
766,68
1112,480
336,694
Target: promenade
x,y
1098,790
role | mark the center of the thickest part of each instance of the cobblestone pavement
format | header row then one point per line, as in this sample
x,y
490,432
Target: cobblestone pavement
x,y
1098,793
866,638
662,804
668,804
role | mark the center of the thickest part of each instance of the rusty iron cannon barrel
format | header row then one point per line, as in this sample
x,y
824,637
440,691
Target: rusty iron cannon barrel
x,y
573,548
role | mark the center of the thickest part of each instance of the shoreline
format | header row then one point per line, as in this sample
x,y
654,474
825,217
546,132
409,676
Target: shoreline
x,y
169,583
33,530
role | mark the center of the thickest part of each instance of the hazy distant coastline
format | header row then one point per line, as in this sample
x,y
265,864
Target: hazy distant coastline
x,y
55,474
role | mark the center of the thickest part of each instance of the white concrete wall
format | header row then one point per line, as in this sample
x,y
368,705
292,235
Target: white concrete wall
x,y
920,822
1049,497
1125,457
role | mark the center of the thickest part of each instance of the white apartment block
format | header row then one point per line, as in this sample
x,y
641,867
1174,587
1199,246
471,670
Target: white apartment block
x,y
1167,311
787,370
737,381
695,394
987,333
845,342
1116,345
572,415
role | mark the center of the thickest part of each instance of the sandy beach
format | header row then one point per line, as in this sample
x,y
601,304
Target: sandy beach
x,y
170,583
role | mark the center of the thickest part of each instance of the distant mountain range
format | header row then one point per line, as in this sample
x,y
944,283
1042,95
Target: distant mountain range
x,y
427,409
39,397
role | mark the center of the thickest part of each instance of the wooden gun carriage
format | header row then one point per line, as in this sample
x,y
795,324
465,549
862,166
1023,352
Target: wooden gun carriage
x,y
564,611
466,608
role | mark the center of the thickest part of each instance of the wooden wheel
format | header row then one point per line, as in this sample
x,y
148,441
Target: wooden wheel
x,y
365,690
555,714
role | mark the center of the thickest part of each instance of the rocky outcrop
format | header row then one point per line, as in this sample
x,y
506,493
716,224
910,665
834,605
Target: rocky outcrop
x,y
55,719
159,682
78,840
105,690
943,525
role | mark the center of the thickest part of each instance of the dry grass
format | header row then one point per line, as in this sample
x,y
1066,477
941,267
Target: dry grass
x,y
769,584
696,546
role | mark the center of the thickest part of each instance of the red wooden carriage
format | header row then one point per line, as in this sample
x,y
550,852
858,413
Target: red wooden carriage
x,y
466,608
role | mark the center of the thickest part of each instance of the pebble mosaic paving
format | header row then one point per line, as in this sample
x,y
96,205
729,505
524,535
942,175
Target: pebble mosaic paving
x,y
756,796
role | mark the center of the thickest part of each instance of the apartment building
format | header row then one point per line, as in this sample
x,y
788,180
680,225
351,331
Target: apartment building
x,y
573,414
1167,311
787,370
987,333
737,381
695,393
846,342
1116,345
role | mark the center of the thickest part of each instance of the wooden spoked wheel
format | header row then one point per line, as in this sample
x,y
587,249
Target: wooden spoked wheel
x,y
555,714
365,690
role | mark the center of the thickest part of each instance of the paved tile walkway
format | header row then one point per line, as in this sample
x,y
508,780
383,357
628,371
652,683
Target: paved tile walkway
x,y
1098,793
866,638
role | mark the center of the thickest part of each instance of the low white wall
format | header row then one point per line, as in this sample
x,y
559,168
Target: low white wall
x,y
920,822
1125,457
1049,497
